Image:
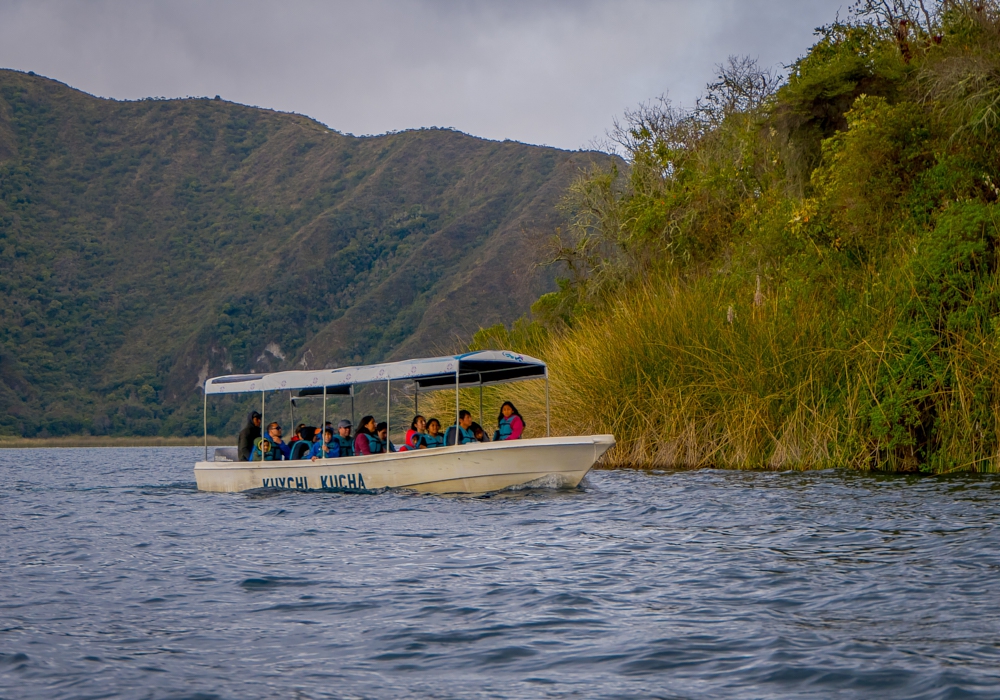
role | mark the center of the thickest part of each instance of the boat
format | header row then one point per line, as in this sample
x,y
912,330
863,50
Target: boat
x,y
553,462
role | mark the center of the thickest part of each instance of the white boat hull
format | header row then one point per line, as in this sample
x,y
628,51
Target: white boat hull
x,y
477,468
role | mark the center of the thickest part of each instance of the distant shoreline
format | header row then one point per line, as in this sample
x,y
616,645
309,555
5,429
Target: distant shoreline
x,y
106,441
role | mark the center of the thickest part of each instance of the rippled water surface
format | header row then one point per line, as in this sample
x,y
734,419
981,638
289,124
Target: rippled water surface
x,y
119,579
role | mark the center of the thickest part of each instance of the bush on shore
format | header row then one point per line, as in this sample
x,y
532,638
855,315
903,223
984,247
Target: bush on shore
x,y
797,273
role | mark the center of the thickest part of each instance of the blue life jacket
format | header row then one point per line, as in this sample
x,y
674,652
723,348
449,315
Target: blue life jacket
x,y
505,428
428,440
346,445
374,444
465,437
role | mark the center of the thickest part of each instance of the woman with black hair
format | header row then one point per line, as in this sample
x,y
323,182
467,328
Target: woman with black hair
x,y
433,437
417,428
365,440
510,424
382,433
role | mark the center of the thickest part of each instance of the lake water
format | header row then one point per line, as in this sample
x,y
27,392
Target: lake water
x,y
119,579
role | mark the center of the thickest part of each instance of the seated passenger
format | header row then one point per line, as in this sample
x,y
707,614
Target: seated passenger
x,y
417,428
478,432
510,425
343,439
263,451
272,446
382,433
433,437
462,431
297,436
326,448
274,435
365,440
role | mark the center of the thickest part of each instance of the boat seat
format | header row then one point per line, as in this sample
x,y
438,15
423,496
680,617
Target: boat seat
x,y
300,449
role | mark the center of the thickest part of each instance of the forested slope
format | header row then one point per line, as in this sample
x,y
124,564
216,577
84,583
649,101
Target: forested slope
x,y
145,245
802,271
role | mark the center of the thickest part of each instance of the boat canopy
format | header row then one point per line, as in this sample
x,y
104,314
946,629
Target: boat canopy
x,y
470,369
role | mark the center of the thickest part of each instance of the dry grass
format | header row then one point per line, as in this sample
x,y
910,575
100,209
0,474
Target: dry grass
x,y
680,386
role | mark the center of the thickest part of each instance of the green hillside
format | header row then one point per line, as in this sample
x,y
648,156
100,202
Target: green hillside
x,y
146,245
801,272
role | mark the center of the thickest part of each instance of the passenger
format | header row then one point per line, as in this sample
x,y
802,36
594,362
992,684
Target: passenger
x,y
462,430
325,449
274,435
249,433
418,427
433,437
510,425
297,435
478,431
263,451
307,433
365,440
382,433
343,439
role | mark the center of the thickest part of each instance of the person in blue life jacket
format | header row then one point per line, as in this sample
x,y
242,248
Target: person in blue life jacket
x,y
274,434
382,433
433,437
463,430
365,440
263,451
343,439
325,448
278,449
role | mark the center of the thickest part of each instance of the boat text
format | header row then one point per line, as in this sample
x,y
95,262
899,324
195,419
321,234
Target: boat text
x,y
329,482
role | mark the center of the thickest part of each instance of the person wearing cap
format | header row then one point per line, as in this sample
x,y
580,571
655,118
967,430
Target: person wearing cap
x,y
344,439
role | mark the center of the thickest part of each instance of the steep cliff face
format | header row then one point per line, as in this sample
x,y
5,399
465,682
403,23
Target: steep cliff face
x,y
145,245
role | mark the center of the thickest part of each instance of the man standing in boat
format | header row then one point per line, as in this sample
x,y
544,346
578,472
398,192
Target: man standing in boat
x,y
250,432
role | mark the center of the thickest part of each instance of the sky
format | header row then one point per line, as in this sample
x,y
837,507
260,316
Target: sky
x,y
552,72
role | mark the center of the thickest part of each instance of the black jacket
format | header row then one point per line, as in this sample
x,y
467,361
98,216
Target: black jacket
x,y
249,433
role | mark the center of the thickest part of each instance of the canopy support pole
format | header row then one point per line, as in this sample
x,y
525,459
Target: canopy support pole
x,y
262,425
457,409
322,430
481,401
388,384
291,412
205,418
416,398
352,405
548,428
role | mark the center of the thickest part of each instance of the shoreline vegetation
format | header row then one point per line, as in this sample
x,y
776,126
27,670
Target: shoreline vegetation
x,y
798,273
7,442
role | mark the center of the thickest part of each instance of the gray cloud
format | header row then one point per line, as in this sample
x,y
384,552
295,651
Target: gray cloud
x,y
554,73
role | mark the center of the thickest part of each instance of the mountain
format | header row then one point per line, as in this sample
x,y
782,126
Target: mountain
x,y
147,245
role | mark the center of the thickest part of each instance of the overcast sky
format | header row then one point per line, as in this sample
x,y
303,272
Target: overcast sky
x,y
553,73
